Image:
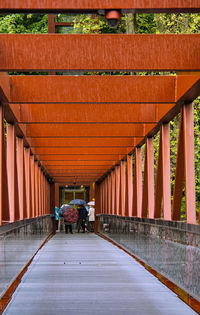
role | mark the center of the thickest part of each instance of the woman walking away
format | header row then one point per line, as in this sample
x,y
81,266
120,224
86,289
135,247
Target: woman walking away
x,y
70,217
57,217
91,215
82,216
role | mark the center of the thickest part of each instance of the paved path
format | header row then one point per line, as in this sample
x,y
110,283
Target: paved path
x,y
82,274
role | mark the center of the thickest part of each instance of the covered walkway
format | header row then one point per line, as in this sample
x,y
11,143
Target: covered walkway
x,y
84,274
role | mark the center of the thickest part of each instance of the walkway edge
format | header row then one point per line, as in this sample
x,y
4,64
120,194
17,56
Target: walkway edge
x,y
183,295
7,293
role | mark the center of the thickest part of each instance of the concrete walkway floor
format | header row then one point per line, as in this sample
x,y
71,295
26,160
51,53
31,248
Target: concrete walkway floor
x,y
83,274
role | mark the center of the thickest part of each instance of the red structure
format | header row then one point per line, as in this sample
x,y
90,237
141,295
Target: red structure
x,y
88,127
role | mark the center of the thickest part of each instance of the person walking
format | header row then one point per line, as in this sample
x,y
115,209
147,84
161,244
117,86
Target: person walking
x,y
91,216
82,216
56,217
70,217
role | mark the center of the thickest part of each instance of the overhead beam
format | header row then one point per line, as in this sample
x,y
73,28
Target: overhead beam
x,y
36,52
93,113
84,6
82,142
91,89
106,130
52,159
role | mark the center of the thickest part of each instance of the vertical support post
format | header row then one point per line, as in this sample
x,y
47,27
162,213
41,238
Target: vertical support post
x,y
28,182
123,187
148,182
137,185
101,198
39,190
12,173
41,187
21,178
109,194
179,174
188,129
51,23
113,191
92,191
163,183
117,190
129,186
36,189
97,206
106,195
57,195
166,171
4,202
32,180
52,198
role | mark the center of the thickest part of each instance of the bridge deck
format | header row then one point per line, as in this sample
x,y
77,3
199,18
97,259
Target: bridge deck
x,y
84,274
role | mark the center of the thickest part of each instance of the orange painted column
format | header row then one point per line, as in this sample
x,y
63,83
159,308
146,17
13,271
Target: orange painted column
x,y
122,186
92,191
32,175
42,193
109,194
12,174
137,185
117,189
129,186
28,182
39,190
105,195
97,206
4,203
21,178
113,191
101,198
148,181
165,130
188,129
57,195
36,189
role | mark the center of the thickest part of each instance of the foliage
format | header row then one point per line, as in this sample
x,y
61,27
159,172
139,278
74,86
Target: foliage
x,y
23,23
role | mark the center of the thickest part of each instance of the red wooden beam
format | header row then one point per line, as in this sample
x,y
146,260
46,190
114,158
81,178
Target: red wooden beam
x,y
95,5
25,52
92,89
49,113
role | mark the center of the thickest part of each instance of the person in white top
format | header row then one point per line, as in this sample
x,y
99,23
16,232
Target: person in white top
x,y
91,219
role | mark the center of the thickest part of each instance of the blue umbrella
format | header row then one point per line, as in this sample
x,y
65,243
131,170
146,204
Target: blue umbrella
x,y
78,202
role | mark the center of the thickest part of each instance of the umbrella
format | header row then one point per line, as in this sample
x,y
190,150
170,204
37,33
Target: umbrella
x,y
91,203
78,202
71,215
63,209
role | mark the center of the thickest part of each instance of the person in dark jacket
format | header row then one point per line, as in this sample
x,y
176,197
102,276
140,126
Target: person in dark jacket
x,y
82,215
